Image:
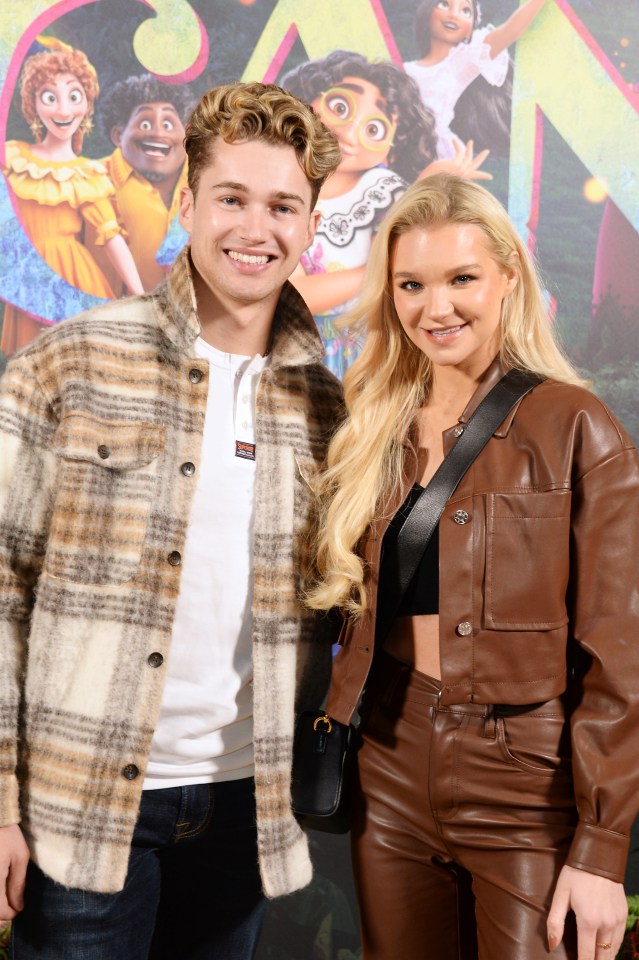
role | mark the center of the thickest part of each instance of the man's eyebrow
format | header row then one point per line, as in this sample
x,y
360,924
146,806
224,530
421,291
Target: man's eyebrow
x,y
143,107
242,188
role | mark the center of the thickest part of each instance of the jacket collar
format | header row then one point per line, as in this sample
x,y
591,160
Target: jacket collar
x,y
295,340
491,376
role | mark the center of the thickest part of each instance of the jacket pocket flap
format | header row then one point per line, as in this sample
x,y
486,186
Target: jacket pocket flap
x,y
112,444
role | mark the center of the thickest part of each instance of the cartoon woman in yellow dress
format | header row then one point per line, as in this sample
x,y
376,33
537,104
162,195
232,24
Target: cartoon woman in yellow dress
x,y
55,190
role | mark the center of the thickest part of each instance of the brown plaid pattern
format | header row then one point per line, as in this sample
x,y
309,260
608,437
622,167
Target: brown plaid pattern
x,y
96,419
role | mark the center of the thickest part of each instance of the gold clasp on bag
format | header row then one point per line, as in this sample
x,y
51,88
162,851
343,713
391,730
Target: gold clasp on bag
x,y
325,719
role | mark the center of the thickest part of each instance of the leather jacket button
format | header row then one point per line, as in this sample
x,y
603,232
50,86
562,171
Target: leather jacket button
x,y
188,468
130,772
174,558
464,629
155,659
103,452
457,432
460,516
195,375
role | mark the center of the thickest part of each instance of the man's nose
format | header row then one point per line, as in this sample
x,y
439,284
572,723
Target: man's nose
x,y
254,223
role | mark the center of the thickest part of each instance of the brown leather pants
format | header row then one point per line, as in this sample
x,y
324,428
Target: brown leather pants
x,y
463,821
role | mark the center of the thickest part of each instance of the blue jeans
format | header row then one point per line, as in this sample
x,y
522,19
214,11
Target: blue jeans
x,y
192,891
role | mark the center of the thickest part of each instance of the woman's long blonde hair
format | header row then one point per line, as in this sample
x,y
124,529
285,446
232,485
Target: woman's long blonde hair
x,y
391,378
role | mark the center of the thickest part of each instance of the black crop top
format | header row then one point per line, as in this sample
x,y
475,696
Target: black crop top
x,y
422,595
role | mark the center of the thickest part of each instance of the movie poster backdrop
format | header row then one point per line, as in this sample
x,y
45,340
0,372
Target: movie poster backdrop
x,y
538,100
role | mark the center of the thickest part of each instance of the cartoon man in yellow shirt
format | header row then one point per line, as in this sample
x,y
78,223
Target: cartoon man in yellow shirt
x,y
144,119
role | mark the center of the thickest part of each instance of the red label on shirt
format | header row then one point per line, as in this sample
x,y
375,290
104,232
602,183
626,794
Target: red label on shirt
x,y
244,450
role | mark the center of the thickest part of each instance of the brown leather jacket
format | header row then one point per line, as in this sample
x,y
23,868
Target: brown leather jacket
x,y
541,578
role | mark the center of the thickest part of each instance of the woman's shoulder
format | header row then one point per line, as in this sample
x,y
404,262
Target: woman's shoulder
x,y
568,409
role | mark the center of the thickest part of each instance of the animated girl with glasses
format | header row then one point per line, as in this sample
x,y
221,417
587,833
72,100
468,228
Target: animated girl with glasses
x,y
387,139
453,54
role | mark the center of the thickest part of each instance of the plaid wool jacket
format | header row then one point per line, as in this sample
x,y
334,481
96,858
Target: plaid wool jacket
x,y
96,419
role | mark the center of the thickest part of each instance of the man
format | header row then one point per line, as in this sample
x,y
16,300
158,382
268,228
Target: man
x,y
144,119
158,462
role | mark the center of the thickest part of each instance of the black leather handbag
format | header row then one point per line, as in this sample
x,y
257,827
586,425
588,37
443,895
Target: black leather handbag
x,y
324,768
325,751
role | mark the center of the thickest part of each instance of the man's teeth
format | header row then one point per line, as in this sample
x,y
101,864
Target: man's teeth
x,y
247,258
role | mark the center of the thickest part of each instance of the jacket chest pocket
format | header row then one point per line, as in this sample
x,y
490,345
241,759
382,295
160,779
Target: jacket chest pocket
x,y
527,560
107,479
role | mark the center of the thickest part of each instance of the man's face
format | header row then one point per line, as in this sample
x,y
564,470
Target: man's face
x,y
250,220
152,141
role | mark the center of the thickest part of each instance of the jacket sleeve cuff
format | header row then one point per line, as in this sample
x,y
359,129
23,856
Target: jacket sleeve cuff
x,y
9,801
599,851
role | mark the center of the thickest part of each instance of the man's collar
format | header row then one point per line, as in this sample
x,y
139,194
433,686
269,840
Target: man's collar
x,y
119,169
295,340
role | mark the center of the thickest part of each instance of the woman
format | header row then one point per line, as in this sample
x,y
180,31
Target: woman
x,y
462,70
56,191
514,648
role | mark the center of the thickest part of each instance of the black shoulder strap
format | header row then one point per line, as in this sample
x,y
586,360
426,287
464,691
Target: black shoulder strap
x,y
419,525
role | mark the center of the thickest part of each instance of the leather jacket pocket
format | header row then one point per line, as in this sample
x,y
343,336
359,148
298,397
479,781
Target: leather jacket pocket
x,y
106,488
527,560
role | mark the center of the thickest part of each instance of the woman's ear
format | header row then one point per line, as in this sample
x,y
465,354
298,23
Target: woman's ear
x,y
512,271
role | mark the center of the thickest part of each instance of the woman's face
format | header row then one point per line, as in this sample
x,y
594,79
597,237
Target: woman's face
x,y
61,105
452,21
357,114
448,291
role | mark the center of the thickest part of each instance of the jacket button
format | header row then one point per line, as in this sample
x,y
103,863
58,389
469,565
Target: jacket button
x,y
195,375
460,516
130,772
155,659
174,558
464,629
457,432
188,468
103,452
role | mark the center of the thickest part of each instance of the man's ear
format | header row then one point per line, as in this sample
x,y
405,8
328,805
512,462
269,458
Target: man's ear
x,y
186,208
116,135
312,227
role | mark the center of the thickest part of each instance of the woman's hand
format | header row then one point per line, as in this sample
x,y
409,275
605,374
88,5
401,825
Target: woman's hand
x,y
463,164
600,907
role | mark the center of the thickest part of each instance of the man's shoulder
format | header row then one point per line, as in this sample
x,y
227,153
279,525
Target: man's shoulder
x,y
106,320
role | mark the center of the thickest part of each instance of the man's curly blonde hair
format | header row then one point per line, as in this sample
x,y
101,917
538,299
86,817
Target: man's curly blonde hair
x,y
260,111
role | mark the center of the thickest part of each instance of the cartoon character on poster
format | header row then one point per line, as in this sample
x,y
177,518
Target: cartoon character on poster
x,y
56,190
455,55
387,138
144,119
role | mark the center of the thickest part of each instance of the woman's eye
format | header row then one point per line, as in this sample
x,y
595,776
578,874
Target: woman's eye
x,y
376,130
463,279
338,106
48,98
76,96
168,125
145,126
410,285
468,13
